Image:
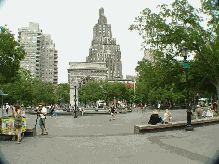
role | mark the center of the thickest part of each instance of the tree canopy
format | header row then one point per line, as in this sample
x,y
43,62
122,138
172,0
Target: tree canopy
x,y
10,56
103,90
181,25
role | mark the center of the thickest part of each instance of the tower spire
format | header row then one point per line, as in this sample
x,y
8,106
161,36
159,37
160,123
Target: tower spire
x,y
102,19
101,12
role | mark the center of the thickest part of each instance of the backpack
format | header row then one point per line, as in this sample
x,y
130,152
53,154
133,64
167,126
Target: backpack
x,y
18,121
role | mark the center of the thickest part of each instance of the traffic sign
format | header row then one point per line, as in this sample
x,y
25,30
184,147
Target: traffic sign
x,y
186,65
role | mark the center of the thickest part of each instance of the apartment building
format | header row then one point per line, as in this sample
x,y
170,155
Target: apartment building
x,y
42,57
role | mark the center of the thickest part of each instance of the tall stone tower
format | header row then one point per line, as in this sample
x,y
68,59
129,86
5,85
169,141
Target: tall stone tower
x,y
104,48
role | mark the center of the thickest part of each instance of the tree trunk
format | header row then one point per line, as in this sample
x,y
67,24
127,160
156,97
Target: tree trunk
x,y
217,95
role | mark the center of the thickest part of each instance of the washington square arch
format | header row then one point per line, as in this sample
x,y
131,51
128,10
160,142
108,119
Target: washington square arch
x,y
80,73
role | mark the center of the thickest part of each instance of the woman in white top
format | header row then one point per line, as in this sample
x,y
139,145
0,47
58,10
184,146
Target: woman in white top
x,y
167,116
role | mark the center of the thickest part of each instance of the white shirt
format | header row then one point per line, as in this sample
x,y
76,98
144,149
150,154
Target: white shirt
x,y
209,113
44,110
165,117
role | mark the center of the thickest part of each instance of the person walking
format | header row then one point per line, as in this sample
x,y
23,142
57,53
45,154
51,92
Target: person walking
x,y
54,112
112,110
158,106
12,108
145,107
42,112
17,114
142,108
7,108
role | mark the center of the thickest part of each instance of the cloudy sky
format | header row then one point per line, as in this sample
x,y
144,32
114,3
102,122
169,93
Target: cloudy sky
x,y
71,23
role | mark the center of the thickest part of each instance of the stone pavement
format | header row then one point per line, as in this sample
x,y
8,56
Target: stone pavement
x,y
95,139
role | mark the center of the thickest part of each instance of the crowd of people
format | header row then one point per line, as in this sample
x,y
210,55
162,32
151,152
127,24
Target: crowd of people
x,y
200,113
18,113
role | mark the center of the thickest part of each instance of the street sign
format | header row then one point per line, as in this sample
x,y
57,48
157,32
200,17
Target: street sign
x,y
75,99
186,65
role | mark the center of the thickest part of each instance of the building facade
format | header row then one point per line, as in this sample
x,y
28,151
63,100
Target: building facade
x,y
42,57
80,73
104,48
148,54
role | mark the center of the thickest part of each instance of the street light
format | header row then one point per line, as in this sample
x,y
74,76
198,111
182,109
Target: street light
x,y
75,114
186,66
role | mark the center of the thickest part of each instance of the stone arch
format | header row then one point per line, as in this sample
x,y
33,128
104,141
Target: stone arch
x,y
84,80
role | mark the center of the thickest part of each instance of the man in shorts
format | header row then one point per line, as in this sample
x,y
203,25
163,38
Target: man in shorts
x,y
112,109
43,112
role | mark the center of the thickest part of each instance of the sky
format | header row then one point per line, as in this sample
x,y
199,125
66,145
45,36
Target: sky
x,y
71,23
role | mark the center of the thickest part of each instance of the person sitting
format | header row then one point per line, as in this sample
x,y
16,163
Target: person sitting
x,y
82,111
167,116
204,113
210,112
194,115
199,113
155,118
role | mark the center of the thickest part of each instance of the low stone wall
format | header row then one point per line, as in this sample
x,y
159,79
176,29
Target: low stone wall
x,y
174,126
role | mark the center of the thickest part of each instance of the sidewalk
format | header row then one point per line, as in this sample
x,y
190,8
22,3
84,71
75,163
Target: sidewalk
x,y
95,139
100,124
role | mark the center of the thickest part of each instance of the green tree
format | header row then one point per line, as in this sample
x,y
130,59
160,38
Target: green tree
x,y
19,91
181,25
104,90
62,93
161,79
91,92
43,92
120,91
10,56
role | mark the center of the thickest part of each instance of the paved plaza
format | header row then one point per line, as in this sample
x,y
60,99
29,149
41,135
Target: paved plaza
x,y
95,139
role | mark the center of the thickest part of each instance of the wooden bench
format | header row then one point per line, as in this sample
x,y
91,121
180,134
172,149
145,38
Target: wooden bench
x,y
174,126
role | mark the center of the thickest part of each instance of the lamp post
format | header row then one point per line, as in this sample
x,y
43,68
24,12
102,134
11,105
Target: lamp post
x,y
134,91
75,114
186,66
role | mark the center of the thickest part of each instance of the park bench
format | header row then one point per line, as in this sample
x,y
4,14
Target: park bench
x,y
174,126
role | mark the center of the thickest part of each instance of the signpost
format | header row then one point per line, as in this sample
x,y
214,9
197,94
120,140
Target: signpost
x,y
186,65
